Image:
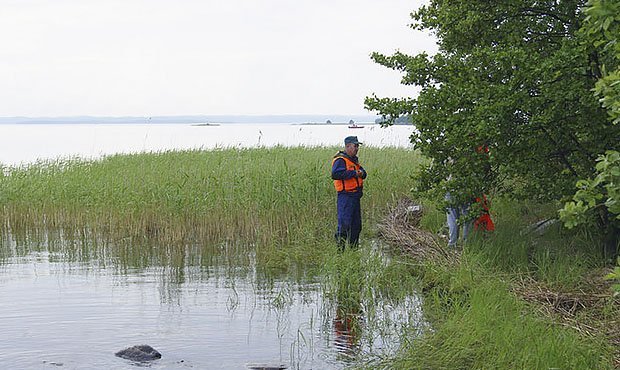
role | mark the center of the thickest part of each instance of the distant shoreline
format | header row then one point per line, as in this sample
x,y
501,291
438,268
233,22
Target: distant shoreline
x,y
197,124
200,119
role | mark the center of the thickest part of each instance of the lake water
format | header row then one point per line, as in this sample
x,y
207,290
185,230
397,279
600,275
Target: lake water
x,y
24,143
71,302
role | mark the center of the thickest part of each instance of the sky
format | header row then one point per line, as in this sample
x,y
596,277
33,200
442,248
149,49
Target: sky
x,y
191,57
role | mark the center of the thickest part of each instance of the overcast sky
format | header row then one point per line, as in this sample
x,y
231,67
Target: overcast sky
x,y
183,57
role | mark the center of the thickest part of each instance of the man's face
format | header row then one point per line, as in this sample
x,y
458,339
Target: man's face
x,y
352,149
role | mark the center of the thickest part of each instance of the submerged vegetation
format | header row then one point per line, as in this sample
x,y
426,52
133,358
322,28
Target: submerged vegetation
x,y
275,208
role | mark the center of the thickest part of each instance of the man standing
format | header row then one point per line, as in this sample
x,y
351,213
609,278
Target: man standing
x,y
348,176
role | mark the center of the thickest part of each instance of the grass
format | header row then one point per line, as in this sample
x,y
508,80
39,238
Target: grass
x,y
483,318
220,199
276,206
490,328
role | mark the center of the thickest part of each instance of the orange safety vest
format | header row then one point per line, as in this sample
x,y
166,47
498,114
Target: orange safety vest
x,y
349,185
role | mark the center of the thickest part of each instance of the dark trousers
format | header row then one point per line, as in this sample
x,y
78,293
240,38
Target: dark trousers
x,y
349,219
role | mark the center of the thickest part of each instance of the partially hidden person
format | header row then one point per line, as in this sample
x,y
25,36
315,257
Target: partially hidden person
x,y
456,214
348,176
484,221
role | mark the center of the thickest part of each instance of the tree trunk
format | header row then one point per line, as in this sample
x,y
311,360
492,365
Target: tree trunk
x,y
611,237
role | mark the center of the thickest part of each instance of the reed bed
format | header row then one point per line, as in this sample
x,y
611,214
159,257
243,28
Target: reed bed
x,y
268,197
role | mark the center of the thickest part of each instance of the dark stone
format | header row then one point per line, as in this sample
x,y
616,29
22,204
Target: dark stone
x,y
141,353
266,367
52,363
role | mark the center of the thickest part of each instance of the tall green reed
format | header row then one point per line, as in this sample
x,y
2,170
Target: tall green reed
x,y
271,197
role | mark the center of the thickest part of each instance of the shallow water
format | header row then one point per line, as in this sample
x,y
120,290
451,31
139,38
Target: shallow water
x,y
62,308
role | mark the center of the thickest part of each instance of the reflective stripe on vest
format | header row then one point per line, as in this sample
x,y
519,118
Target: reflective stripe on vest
x,y
350,185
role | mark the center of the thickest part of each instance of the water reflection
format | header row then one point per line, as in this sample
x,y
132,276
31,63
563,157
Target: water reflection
x,y
348,319
75,297
346,332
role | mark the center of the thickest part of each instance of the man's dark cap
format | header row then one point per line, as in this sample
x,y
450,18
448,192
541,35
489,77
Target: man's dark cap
x,y
351,140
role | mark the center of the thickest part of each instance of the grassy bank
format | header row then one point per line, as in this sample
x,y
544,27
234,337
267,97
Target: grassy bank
x,y
176,208
517,300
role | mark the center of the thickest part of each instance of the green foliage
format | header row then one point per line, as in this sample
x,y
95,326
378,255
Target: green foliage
x,y
603,191
607,89
515,77
602,26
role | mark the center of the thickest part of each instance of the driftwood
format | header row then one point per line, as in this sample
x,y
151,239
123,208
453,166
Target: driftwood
x,y
401,229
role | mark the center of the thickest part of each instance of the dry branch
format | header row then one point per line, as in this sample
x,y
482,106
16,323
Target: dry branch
x,y
401,229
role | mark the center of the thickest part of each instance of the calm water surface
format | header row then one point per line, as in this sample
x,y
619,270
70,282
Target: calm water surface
x,y
24,143
60,310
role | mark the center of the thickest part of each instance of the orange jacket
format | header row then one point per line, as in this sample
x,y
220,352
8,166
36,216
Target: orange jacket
x,y
354,183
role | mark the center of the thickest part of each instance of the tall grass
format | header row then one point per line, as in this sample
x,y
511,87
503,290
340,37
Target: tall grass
x,y
485,326
272,197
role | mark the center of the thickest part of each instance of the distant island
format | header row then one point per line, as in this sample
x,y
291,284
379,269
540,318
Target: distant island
x,y
196,119
351,123
205,124
402,120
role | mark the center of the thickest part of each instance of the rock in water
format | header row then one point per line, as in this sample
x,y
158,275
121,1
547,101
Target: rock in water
x,y
266,366
141,353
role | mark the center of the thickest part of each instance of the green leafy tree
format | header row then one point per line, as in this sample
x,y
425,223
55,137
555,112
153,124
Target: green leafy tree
x,y
602,27
601,194
514,77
